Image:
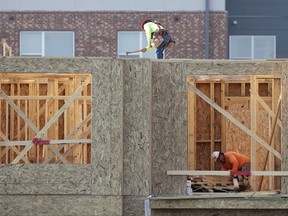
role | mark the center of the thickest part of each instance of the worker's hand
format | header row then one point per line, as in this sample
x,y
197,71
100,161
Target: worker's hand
x,y
143,50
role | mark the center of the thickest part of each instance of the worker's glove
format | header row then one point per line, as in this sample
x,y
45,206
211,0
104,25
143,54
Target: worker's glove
x,y
143,50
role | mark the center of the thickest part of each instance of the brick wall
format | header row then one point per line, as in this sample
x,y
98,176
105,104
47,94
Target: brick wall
x,y
96,32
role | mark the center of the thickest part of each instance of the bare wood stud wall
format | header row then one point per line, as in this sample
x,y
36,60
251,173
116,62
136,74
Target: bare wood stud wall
x,y
41,109
252,100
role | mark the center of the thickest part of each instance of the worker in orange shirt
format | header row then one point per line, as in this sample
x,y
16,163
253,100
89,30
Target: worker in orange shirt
x,y
233,161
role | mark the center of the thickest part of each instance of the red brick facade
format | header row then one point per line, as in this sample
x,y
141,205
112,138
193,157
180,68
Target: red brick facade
x,y
96,32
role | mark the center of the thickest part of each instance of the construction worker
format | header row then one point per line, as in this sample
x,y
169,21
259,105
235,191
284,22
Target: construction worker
x,y
233,161
157,36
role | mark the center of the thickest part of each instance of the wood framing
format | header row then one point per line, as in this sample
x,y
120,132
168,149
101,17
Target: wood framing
x,y
252,100
236,122
39,110
223,173
7,50
191,127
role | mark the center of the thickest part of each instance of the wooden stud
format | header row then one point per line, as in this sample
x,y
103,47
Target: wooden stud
x,y
12,121
84,115
6,47
191,126
32,112
212,125
223,119
276,86
77,153
223,173
253,126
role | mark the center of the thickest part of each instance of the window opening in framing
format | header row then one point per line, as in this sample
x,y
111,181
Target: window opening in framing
x,y
253,101
45,118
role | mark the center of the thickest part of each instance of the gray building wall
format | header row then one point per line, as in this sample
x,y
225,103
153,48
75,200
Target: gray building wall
x,y
260,17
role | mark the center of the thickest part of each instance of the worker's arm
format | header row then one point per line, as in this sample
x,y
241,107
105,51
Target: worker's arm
x,y
223,168
148,33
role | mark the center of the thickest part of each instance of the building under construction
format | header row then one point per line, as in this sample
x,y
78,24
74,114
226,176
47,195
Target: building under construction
x,y
97,136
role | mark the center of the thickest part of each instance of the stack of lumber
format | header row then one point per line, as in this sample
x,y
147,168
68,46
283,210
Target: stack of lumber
x,y
213,184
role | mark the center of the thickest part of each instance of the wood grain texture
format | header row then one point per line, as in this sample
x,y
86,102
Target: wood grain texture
x,y
131,151
107,127
169,127
54,205
136,127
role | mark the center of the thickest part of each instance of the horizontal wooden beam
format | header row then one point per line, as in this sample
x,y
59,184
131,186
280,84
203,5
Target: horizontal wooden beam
x,y
232,78
47,97
43,75
52,142
222,173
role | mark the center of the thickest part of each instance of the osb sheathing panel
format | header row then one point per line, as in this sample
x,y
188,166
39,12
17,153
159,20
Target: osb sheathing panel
x,y
45,179
137,124
107,124
169,127
104,175
267,202
203,151
46,65
169,120
52,205
222,212
284,131
133,205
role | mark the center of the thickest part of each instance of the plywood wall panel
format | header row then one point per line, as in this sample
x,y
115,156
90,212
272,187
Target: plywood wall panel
x,y
45,179
203,156
107,138
169,127
51,205
136,127
203,113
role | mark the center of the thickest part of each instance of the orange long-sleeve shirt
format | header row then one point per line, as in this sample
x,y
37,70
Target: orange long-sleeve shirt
x,y
234,161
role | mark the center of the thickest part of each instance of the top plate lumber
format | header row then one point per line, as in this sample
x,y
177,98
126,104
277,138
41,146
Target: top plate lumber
x,y
223,173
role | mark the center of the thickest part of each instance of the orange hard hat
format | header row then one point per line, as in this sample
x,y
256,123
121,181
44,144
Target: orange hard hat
x,y
144,22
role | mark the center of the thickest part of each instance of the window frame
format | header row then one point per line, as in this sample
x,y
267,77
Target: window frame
x,y
252,48
141,36
42,53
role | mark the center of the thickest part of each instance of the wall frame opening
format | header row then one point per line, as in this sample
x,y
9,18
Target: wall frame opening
x,y
255,102
45,118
